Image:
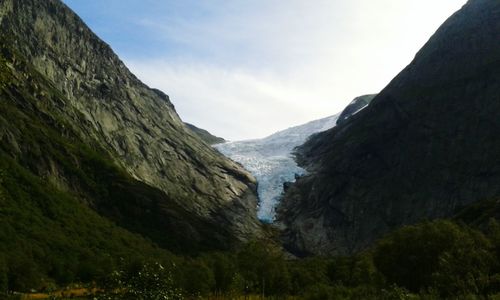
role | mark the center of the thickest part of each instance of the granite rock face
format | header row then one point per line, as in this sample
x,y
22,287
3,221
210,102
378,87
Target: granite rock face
x,y
427,146
206,136
136,125
354,107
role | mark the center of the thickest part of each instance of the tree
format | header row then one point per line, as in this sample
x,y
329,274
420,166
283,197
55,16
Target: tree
x,y
264,269
151,281
23,274
225,272
4,282
352,271
198,278
442,255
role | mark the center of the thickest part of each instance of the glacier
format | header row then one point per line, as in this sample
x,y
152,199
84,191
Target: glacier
x,y
271,160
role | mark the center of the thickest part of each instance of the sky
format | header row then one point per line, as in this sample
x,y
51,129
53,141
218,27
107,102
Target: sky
x,y
245,69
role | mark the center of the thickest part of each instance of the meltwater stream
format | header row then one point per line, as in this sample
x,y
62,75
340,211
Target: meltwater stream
x,y
270,160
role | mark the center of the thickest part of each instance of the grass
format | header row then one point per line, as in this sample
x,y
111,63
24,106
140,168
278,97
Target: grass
x,y
83,294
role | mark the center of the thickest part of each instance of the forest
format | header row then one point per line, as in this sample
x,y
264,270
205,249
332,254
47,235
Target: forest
x,y
431,260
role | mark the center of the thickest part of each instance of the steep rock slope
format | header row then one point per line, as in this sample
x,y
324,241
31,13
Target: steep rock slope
x,y
67,212
354,107
36,137
137,127
426,146
206,136
270,160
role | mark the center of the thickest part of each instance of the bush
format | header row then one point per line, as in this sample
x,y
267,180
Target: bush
x,y
198,278
307,272
225,271
353,271
22,274
452,259
150,282
341,292
4,283
320,292
264,270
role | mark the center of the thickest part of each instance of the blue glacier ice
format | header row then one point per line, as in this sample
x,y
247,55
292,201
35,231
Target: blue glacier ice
x,y
270,160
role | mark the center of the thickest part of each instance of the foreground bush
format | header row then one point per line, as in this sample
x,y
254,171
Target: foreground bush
x,y
441,255
148,282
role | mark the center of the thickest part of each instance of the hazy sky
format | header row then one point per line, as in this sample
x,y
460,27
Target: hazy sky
x,y
247,68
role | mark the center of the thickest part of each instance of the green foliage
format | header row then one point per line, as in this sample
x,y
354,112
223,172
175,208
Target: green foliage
x,y
440,255
465,266
307,272
264,269
353,271
464,269
198,279
49,234
225,272
320,292
69,213
340,292
150,281
4,282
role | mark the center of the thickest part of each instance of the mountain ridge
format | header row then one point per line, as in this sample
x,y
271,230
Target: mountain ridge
x,y
136,127
420,150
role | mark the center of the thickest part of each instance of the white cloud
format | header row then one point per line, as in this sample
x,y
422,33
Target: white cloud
x,y
230,103
249,68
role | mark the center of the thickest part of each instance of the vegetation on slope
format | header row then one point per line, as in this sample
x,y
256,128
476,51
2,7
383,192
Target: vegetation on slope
x,y
67,215
68,212
431,260
137,127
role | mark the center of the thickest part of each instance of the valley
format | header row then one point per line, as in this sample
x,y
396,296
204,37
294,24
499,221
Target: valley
x,y
272,161
108,193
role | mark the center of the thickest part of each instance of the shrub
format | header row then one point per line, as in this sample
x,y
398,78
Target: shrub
x,y
198,278
453,259
150,282
4,283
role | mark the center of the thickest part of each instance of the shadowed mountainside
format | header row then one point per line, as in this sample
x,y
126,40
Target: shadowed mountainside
x,y
354,107
426,147
76,118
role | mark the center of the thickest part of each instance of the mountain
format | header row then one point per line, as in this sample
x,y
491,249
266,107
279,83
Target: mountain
x,y
270,160
426,147
206,136
95,163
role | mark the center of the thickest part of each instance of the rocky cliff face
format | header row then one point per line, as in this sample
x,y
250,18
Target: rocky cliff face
x,y
354,107
206,136
426,146
136,126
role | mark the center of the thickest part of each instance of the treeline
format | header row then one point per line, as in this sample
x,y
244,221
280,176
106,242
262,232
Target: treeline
x,y
433,260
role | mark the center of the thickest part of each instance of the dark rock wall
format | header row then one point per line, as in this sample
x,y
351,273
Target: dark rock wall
x,y
136,125
425,147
